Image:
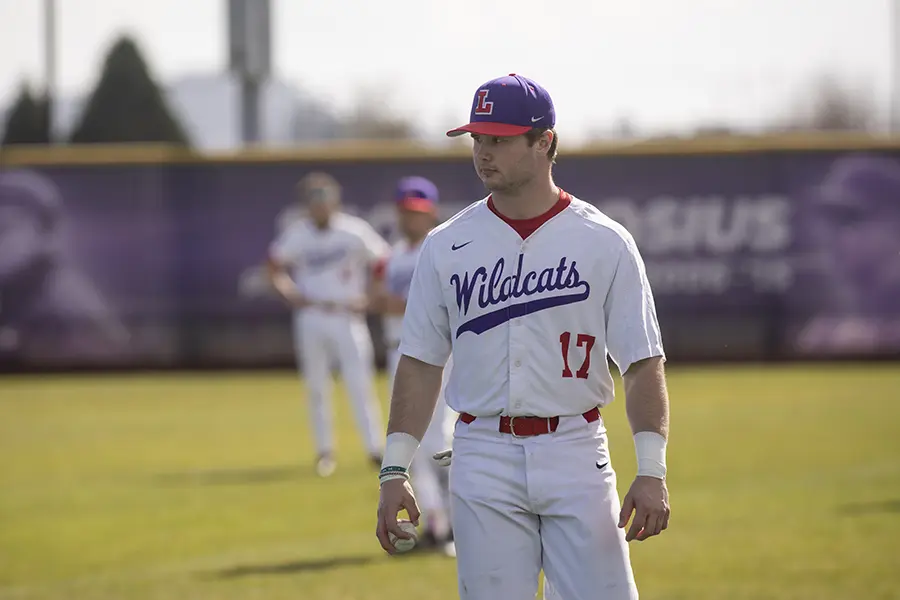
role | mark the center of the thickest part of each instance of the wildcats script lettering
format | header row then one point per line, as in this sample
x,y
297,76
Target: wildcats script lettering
x,y
499,289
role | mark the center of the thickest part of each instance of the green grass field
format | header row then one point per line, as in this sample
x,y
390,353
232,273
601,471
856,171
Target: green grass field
x,y
784,482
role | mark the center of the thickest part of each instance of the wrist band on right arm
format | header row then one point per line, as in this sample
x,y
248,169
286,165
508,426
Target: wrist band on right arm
x,y
399,450
650,448
388,473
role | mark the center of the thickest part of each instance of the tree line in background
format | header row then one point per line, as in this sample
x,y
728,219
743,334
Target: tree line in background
x,y
127,105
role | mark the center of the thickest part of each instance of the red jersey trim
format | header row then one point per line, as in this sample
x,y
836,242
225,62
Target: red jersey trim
x,y
525,227
379,268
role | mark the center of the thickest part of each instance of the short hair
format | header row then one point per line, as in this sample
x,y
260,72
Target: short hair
x,y
323,183
535,134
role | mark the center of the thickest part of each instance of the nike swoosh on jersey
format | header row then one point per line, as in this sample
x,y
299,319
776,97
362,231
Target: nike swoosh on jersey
x,y
455,247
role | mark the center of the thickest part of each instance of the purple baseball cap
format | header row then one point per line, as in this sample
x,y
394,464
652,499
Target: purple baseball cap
x,y
417,193
509,106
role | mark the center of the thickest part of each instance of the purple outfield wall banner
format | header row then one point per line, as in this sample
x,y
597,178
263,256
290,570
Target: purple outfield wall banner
x,y
752,256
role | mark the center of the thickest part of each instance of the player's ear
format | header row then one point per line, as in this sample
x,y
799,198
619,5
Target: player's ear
x,y
542,146
547,138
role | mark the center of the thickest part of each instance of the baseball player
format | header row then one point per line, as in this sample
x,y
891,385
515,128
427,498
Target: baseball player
x,y
530,288
322,266
417,200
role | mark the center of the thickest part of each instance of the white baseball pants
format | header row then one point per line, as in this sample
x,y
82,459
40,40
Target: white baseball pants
x,y
547,502
425,473
321,339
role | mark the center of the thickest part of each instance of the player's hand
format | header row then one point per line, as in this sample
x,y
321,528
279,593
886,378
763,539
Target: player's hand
x,y
396,494
387,304
443,458
328,306
355,306
297,300
648,499
376,302
358,305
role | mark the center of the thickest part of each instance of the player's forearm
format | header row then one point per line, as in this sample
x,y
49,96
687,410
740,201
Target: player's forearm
x,y
416,388
284,285
282,282
415,393
647,406
646,397
394,306
384,302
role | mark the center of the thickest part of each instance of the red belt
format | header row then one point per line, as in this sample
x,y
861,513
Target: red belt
x,y
530,426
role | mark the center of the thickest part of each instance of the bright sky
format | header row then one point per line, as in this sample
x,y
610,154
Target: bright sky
x,y
661,63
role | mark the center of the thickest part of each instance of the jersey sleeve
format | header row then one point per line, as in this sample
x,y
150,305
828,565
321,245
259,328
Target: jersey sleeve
x,y
632,328
287,248
375,248
379,269
426,323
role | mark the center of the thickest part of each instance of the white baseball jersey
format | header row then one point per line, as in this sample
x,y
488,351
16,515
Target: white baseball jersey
x,y
530,322
398,274
333,264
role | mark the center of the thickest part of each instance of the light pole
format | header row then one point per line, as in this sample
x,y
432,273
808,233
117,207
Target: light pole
x,y
49,65
250,58
894,65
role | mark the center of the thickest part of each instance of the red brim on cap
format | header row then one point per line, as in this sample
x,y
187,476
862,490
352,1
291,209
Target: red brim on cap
x,y
495,129
417,204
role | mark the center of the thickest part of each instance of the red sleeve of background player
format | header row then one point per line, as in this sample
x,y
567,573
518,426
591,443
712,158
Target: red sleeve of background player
x,y
379,268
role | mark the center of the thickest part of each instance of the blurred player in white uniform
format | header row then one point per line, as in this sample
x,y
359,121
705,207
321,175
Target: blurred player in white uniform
x,y
417,204
531,289
322,266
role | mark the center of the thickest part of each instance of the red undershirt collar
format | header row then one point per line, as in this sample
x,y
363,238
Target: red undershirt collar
x,y
525,227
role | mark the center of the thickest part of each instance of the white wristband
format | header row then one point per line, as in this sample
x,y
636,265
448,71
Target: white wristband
x,y
650,448
399,450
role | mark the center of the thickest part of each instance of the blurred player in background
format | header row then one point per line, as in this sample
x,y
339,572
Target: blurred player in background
x,y
322,266
417,202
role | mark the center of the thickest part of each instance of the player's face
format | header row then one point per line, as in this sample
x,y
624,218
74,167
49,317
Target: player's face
x,y
321,201
414,224
320,212
505,164
320,208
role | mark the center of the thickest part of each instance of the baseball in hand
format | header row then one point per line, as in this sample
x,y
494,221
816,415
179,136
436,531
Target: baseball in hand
x,y
401,544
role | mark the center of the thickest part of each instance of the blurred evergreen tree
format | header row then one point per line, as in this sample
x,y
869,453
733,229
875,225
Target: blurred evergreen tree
x,y
26,122
127,105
